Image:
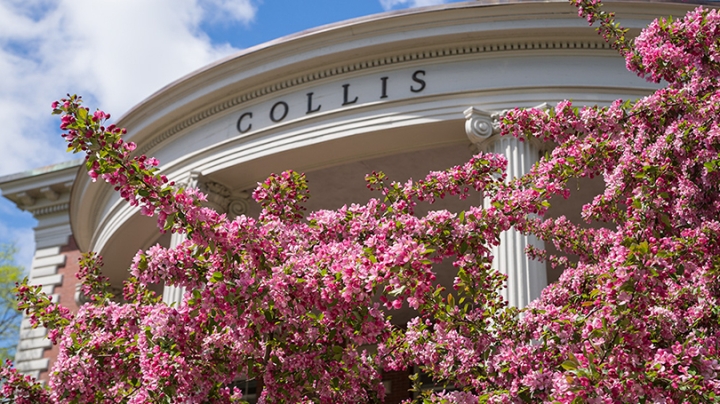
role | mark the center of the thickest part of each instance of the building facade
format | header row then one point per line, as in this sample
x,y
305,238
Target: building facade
x,y
402,92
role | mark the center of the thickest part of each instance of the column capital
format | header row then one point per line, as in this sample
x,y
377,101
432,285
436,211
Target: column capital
x,y
482,126
221,198
217,195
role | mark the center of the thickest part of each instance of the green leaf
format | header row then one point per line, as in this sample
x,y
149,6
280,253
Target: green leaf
x,y
216,277
397,291
170,221
463,248
82,115
711,166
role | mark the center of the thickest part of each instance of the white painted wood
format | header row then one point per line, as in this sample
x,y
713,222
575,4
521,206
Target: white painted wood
x,y
33,373
32,365
172,295
47,280
48,289
32,343
526,277
46,252
29,354
33,333
55,260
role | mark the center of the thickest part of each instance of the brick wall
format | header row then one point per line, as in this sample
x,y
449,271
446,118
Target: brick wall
x,y
397,386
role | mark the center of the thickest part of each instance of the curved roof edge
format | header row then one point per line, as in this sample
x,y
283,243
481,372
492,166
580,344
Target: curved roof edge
x,y
372,18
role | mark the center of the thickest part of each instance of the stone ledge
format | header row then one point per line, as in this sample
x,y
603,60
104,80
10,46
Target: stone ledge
x,y
46,252
29,354
39,332
47,280
25,323
37,364
48,289
51,260
31,343
33,373
44,271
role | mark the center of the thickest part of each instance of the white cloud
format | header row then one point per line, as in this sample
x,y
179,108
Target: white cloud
x,y
24,240
113,52
391,4
239,10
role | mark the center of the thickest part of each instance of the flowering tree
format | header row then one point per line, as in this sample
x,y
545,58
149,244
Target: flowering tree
x,y
303,303
10,274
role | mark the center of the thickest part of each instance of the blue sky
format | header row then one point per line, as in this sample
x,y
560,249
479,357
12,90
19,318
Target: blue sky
x,y
117,52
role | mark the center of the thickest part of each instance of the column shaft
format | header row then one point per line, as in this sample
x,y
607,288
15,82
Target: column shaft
x,y
526,277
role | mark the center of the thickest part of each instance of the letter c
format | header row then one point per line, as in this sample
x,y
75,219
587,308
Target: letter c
x,y
239,122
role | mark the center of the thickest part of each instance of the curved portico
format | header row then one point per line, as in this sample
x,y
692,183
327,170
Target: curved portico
x,y
382,92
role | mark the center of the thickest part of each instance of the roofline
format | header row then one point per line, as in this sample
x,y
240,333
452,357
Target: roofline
x,y
366,19
36,172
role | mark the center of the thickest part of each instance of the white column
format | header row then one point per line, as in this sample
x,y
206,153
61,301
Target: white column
x,y
173,294
222,200
526,277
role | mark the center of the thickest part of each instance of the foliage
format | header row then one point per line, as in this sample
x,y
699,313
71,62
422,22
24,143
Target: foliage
x,y
291,301
10,275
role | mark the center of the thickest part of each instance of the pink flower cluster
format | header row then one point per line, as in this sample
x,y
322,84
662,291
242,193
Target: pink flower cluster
x,y
302,305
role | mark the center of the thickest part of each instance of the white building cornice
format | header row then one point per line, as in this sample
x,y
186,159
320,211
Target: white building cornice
x,y
44,190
